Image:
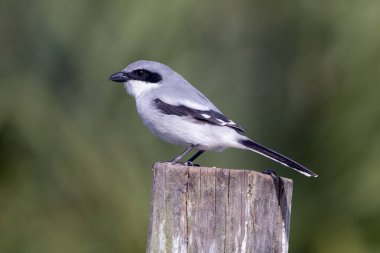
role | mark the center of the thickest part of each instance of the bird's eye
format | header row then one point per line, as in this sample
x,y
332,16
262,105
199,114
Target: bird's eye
x,y
145,76
139,72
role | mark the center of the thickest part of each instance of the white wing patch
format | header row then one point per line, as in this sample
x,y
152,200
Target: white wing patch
x,y
201,116
206,116
222,121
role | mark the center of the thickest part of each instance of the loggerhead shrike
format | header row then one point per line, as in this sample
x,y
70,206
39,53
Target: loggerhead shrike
x,y
178,113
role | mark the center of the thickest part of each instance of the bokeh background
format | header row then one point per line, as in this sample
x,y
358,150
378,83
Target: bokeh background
x,y
302,76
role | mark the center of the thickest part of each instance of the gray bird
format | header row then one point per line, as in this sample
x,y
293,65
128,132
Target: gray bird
x,y
178,113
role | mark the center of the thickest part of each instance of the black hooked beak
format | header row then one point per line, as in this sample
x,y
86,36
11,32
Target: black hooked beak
x,y
119,77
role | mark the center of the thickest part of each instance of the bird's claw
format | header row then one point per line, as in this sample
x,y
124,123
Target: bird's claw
x,y
187,163
190,163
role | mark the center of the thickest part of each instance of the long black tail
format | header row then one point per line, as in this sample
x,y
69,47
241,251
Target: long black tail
x,y
277,157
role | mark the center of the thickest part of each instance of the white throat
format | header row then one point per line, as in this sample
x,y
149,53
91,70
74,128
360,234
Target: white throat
x,y
136,88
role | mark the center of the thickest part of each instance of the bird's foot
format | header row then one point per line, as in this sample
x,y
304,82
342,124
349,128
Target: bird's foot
x,y
187,163
170,161
190,163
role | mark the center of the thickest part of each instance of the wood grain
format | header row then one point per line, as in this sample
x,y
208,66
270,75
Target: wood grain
x,y
200,209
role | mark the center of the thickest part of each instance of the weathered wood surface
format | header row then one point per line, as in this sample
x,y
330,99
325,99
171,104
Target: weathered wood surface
x,y
199,209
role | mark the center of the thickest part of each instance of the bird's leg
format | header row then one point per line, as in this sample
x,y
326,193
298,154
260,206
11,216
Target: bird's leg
x,y
176,160
192,159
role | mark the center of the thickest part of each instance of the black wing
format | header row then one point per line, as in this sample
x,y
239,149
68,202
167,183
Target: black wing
x,y
209,116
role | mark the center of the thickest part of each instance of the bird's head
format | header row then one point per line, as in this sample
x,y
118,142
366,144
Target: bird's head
x,y
144,71
141,76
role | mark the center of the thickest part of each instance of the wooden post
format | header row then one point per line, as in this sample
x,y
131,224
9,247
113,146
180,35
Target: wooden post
x,y
199,209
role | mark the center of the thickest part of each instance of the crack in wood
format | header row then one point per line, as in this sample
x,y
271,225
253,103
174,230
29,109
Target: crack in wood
x,y
196,209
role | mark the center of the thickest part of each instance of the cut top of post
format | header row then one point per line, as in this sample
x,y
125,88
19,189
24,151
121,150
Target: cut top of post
x,y
201,209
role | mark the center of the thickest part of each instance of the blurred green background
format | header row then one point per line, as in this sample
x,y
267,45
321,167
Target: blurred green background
x,y
303,77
